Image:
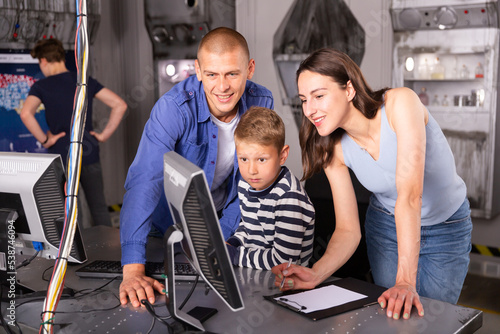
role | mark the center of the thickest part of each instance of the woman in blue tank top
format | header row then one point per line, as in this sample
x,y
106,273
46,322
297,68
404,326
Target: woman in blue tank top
x,y
418,226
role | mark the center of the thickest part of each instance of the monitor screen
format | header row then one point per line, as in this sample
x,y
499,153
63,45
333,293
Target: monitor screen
x,y
197,228
32,185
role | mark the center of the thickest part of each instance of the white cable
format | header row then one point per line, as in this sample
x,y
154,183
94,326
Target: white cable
x,y
73,171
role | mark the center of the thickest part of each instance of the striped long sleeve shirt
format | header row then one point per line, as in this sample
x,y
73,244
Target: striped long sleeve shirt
x,y
277,224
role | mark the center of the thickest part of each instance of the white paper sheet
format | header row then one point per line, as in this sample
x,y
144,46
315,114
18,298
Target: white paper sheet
x,y
320,299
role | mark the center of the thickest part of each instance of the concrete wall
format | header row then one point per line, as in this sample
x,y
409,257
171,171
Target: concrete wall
x,y
122,60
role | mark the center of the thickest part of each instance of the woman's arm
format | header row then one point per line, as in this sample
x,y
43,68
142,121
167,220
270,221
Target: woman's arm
x,y
408,117
28,117
345,238
118,108
28,112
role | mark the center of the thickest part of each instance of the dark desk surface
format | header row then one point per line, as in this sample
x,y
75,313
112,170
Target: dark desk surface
x,y
259,315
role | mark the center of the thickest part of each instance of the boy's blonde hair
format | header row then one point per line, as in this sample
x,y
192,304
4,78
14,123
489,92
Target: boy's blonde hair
x,y
261,126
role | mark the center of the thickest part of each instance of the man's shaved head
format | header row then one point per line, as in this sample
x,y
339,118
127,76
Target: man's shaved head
x,y
222,40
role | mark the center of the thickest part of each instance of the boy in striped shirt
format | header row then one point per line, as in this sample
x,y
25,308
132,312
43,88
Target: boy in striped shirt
x,y
277,217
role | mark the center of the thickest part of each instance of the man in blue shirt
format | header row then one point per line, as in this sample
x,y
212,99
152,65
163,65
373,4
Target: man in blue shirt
x,y
196,119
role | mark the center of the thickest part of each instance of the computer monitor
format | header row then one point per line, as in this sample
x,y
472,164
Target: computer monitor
x,y
197,228
32,186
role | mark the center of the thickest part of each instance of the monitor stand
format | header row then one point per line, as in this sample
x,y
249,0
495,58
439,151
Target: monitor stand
x,y
172,236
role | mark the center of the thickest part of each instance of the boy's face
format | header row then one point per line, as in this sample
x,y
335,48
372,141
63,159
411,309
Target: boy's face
x,y
260,165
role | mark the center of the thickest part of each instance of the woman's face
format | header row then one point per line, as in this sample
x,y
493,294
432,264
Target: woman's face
x,y
324,102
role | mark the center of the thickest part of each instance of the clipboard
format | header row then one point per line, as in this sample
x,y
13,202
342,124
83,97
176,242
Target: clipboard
x,y
371,291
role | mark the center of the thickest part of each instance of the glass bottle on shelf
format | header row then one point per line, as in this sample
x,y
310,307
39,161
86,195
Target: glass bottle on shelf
x,y
455,69
473,98
437,72
445,102
479,97
479,71
435,101
423,96
464,72
423,70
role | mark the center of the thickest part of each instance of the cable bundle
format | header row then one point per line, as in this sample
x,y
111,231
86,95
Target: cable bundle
x,y
73,171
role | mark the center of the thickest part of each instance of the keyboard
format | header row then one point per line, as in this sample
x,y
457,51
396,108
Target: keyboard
x,y
111,269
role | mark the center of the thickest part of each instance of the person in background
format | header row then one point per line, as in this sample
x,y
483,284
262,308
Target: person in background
x,y
196,119
57,92
277,217
418,225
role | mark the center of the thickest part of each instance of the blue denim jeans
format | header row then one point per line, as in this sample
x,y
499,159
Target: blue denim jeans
x,y
444,252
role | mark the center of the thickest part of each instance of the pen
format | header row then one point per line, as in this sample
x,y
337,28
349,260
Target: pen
x,y
288,266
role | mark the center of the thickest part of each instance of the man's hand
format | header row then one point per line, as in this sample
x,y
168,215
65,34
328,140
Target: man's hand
x,y
137,286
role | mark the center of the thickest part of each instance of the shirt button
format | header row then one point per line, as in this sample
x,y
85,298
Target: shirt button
x,y
190,93
214,136
212,162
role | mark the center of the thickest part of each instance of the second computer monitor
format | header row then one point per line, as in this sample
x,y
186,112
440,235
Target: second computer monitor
x,y
194,214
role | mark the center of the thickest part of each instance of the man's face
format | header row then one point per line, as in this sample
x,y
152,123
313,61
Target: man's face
x,y
224,78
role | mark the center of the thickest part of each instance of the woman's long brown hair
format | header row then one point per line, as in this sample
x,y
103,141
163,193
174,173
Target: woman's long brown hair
x,y
317,151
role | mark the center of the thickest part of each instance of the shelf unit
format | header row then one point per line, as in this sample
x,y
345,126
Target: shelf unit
x,y
471,130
